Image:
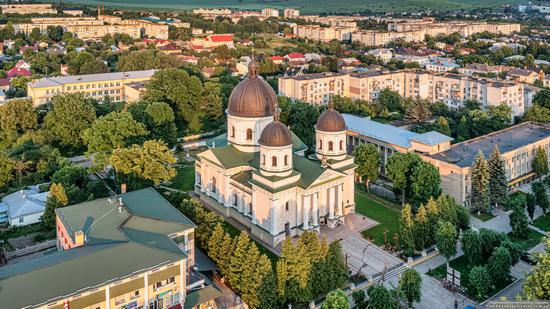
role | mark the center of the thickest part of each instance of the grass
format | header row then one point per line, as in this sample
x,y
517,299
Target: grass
x,y
543,222
185,178
483,216
533,238
384,212
462,265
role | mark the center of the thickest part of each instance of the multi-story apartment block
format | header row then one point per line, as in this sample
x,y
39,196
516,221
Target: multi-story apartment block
x,y
517,145
291,13
367,85
465,28
323,34
132,251
87,32
73,12
270,12
479,68
27,9
314,88
97,86
43,23
381,38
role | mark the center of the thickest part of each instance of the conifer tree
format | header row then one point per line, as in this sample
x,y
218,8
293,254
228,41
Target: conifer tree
x,y
336,266
214,244
519,222
57,198
237,262
442,126
226,247
421,228
498,185
445,238
471,244
499,264
293,271
480,184
463,130
540,162
447,209
531,204
433,216
539,190
406,225
251,279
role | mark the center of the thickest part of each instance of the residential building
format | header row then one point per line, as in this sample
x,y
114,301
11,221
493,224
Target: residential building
x,y
430,26
257,175
381,38
517,146
73,12
23,207
441,65
214,40
97,86
383,54
24,9
479,68
323,34
270,12
525,75
291,13
134,250
315,88
389,139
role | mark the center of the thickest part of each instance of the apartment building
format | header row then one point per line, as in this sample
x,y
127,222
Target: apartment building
x,y
96,86
517,146
333,20
381,38
43,23
291,13
479,68
88,32
27,9
314,88
323,34
466,28
73,12
270,12
135,250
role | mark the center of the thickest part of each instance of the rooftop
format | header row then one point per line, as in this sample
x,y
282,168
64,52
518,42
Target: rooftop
x,y
391,134
89,78
509,139
138,232
315,76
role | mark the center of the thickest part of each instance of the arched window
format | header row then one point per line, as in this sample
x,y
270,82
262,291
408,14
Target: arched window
x,y
263,159
274,161
341,145
286,160
320,144
330,146
248,134
235,199
213,185
232,131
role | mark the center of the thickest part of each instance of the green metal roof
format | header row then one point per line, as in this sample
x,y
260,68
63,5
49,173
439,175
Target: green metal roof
x,y
221,141
311,170
119,244
196,298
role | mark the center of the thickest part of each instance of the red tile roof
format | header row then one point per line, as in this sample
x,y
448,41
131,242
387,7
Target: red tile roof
x,y
221,38
275,58
295,55
18,72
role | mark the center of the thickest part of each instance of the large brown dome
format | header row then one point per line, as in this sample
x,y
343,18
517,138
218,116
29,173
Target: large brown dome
x,y
252,97
331,121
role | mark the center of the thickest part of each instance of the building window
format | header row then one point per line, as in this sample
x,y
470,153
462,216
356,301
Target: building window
x,y
172,280
286,160
286,206
341,145
213,185
320,144
250,209
274,161
235,199
263,159
330,146
249,134
232,131
21,220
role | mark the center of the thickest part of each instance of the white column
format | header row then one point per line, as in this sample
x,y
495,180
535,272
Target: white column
x,y
339,195
298,208
107,297
273,214
146,291
306,212
315,209
331,203
183,277
253,213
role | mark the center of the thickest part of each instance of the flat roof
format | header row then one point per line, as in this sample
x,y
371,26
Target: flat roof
x,y
391,134
315,76
463,154
89,78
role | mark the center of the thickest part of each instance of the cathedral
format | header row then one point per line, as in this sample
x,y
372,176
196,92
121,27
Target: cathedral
x,y
257,172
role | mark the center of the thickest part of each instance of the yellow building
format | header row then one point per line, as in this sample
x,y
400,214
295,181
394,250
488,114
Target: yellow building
x,y
131,251
27,9
314,88
96,86
323,34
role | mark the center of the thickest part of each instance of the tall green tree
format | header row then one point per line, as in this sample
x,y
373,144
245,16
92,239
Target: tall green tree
x,y
399,170
215,244
519,222
410,284
70,116
336,266
463,130
336,300
17,116
537,284
498,185
421,228
406,226
380,298
6,169
540,162
237,262
425,182
442,126
479,282
480,184
471,244
539,190
531,205
445,238
499,265
417,110
367,159
56,198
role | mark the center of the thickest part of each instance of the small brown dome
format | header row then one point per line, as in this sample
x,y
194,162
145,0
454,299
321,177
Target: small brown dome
x,y
275,134
252,97
331,121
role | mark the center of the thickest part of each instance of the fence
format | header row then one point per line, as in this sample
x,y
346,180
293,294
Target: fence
x,y
31,249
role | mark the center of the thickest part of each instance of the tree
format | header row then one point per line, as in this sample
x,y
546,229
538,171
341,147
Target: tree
x,y
70,116
56,198
542,98
410,284
147,60
433,216
471,244
152,161
380,297
445,238
237,262
112,131
367,159
480,184
160,121
223,259
463,130
336,300
86,63
359,299
215,244
425,182
519,222
442,126
540,162
531,205
399,170
479,282
391,100
335,266
406,225
537,284
17,116
538,113
267,292
421,228
6,169
20,167
499,264
418,110
498,185
540,195
490,239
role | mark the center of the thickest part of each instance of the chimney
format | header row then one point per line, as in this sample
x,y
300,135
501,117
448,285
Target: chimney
x,y
123,188
79,238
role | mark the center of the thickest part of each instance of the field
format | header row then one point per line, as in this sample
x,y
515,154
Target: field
x,y
306,7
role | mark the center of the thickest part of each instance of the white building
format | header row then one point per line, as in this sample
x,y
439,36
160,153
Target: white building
x,y
23,207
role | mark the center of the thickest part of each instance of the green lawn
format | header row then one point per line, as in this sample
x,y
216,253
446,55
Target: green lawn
x,y
533,239
185,178
543,222
483,216
385,213
461,265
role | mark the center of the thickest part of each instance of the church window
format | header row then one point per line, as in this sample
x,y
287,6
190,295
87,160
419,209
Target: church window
x,y
232,131
213,185
330,146
235,199
286,160
274,161
250,209
248,134
286,206
341,145
263,159
321,144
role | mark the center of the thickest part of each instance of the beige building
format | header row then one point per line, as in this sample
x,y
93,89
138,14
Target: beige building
x,y
517,145
27,9
323,34
87,32
291,13
135,250
381,38
270,12
257,175
43,23
315,88
96,86
466,28
73,12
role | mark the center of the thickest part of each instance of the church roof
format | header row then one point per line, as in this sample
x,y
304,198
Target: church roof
x,y
221,141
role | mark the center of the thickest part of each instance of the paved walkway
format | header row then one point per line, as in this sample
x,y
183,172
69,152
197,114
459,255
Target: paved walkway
x,y
500,223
